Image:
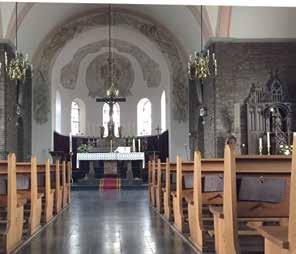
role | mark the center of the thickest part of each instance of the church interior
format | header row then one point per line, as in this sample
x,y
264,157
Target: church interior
x,y
137,128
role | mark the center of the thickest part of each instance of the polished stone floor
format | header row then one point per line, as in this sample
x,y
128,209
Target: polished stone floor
x,y
108,222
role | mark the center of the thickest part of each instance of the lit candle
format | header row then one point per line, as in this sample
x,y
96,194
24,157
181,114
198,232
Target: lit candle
x,y
268,142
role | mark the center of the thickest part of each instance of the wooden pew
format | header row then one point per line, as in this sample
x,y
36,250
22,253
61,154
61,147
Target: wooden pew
x,y
32,195
266,169
149,183
58,200
48,203
180,193
281,239
153,184
65,188
160,171
170,169
198,201
11,236
69,180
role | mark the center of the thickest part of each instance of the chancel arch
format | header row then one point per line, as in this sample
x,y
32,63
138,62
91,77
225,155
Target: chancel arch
x,y
170,56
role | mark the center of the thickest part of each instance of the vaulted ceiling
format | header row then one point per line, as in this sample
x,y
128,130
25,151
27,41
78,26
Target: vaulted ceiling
x,y
37,20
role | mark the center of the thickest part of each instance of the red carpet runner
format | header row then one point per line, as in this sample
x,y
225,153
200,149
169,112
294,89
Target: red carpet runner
x,y
110,184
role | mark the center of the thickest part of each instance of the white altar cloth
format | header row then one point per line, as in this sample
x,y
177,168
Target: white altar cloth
x,y
110,157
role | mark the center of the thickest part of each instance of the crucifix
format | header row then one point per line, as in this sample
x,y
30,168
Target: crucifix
x,y
110,99
158,130
112,95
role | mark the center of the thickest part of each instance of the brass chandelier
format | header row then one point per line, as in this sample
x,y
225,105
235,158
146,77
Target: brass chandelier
x,y
16,68
203,64
112,91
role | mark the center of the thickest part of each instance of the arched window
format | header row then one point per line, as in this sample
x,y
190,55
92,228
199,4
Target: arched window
x,y
144,117
163,111
116,118
58,116
75,118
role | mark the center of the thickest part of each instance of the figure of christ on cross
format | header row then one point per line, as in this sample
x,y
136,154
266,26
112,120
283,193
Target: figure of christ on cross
x,y
111,100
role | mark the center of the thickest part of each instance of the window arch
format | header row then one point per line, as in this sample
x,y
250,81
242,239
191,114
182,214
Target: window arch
x,y
144,117
116,118
75,118
163,111
58,113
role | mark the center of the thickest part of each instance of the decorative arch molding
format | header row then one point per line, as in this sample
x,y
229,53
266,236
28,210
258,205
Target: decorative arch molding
x,y
150,69
165,41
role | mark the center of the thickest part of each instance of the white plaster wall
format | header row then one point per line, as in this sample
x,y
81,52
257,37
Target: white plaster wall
x,y
93,115
139,89
263,22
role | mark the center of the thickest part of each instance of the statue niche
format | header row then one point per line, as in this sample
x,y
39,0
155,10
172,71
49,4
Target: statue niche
x,y
269,110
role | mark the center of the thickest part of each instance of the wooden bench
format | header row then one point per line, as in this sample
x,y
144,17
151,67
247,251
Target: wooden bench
x,y
69,180
179,206
170,171
48,202
12,226
65,189
149,183
200,221
153,184
160,171
281,239
32,195
56,182
261,169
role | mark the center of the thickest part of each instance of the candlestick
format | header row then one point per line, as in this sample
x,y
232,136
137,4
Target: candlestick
x,y
139,145
134,145
70,142
260,146
268,143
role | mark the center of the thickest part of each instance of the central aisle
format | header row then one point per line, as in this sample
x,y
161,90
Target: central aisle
x,y
109,222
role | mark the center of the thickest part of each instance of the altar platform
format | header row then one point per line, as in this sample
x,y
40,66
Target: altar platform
x,y
94,168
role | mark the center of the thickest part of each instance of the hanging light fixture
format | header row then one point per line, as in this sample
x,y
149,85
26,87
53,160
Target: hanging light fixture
x,y
112,91
202,65
16,68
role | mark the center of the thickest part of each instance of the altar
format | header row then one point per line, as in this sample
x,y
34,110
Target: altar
x,y
111,157
110,161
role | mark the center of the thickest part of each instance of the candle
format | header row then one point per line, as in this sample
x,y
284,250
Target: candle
x,y
111,143
260,146
268,142
70,142
134,145
139,145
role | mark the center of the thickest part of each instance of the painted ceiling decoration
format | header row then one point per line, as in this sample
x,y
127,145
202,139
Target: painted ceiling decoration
x,y
150,69
165,41
97,75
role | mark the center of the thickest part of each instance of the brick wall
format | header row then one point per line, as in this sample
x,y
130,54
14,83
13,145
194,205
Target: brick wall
x,y
240,64
12,139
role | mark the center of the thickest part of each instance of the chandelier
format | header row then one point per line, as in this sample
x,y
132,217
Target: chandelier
x,y
16,68
112,91
202,64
